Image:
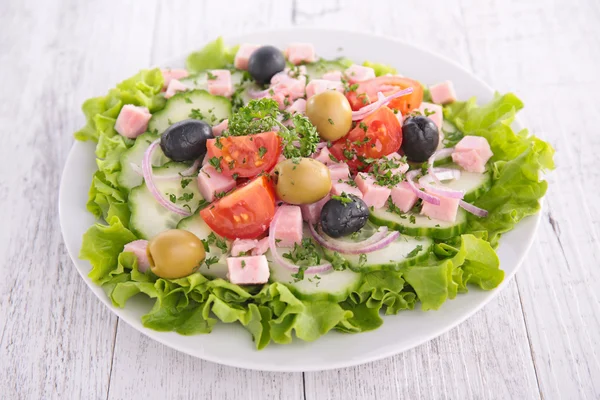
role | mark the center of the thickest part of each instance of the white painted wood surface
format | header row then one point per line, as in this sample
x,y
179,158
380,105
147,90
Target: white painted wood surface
x,y
539,338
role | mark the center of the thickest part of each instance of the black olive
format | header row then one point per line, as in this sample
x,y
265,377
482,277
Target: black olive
x,y
186,140
420,138
343,217
265,62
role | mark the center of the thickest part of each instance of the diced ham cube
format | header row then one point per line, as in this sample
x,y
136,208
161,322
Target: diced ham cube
x,y
443,93
138,248
220,83
299,106
251,270
317,86
324,157
472,153
169,74
243,55
311,213
357,73
288,229
297,53
218,129
132,121
338,188
211,182
242,246
403,197
435,112
446,211
332,76
282,83
175,86
261,247
373,195
338,171
398,159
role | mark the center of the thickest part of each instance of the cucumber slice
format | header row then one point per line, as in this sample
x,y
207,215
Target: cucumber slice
x,y
474,184
129,178
403,252
333,285
213,109
148,217
198,227
317,69
419,225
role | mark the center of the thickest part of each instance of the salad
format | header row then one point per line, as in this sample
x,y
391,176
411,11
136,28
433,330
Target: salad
x,y
296,195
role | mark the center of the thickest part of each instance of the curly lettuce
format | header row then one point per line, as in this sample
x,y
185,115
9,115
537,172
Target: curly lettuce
x,y
214,55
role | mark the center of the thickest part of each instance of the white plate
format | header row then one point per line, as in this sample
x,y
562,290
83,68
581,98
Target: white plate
x,y
230,344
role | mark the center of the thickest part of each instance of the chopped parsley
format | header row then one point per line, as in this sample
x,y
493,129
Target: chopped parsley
x,y
363,126
216,163
393,208
188,100
210,261
343,198
330,121
362,259
414,251
332,158
186,197
210,76
220,243
243,264
218,143
262,150
172,197
338,262
304,255
196,114
185,182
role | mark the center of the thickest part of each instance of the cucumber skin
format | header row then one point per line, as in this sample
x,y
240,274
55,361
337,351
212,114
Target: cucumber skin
x,y
397,266
479,191
435,233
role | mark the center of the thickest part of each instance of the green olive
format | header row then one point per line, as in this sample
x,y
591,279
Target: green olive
x,y
175,253
302,180
331,113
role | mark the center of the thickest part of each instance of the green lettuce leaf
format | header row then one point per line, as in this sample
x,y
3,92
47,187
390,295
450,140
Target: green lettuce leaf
x,y
102,245
517,164
214,55
380,69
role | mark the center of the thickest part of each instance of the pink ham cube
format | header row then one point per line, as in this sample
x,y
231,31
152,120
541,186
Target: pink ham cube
x,y
138,248
357,73
445,211
324,157
261,247
218,129
242,246
288,229
403,197
175,86
169,74
398,159
317,86
338,188
311,213
219,82
251,270
338,171
243,55
332,76
434,112
212,182
373,195
132,121
472,153
299,106
443,93
297,53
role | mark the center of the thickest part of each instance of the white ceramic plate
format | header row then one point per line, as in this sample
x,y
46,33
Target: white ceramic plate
x,y
230,344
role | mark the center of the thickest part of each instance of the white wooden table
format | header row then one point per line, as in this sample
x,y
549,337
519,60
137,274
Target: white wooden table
x,y
539,338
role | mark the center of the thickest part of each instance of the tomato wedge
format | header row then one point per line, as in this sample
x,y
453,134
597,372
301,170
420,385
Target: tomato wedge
x,y
244,213
366,93
378,135
245,156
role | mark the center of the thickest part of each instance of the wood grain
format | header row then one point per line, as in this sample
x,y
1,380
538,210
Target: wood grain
x,y
539,338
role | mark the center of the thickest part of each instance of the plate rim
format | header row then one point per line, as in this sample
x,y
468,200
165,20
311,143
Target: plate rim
x,y
154,335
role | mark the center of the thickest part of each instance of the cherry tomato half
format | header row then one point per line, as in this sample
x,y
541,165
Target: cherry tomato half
x,y
366,93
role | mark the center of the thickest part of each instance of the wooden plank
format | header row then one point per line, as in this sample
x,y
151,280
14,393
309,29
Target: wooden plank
x,y
56,337
473,360
549,52
143,368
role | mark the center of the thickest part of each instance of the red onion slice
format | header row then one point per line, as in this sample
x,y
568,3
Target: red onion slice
x,y
315,269
187,172
479,212
382,101
354,248
149,179
443,153
420,194
259,94
425,183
